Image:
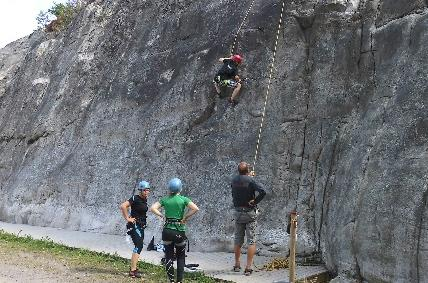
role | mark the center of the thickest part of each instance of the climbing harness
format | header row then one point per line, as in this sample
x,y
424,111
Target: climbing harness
x,y
177,222
268,86
225,83
232,48
173,221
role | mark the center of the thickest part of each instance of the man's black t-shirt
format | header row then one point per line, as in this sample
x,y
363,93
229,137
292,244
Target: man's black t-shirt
x,y
243,190
229,70
139,208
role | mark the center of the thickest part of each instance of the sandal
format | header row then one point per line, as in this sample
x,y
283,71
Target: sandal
x,y
236,268
134,274
232,102
248,272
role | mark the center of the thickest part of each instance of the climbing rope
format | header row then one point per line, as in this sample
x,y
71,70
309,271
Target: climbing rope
x,y
276,263
135,186
232,49
268,86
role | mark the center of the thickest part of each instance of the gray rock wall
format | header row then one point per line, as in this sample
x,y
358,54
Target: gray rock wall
x,y
126,92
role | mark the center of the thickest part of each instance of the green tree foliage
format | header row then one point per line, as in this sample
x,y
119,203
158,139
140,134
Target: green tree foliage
x,y
59,16
43,19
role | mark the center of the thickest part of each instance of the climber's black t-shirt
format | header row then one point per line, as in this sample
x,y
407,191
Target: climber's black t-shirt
x,y
139,209
244,190
229,70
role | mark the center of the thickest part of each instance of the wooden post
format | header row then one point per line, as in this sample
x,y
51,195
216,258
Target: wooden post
x,y
292,259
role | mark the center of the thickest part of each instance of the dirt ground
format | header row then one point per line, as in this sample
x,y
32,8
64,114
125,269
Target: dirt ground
x,y
19,266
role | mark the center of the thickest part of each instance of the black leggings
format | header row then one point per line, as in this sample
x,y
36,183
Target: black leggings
x,y
174,242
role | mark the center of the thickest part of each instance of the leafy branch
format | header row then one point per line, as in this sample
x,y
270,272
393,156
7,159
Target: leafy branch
x,y
59,16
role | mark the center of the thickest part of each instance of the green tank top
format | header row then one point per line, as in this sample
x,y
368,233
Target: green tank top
x,y
174,206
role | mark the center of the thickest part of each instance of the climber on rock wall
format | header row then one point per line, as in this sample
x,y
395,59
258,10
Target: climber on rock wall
x,y
227,76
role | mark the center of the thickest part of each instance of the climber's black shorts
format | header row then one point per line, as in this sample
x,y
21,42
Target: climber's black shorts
x,y
136,231
173,236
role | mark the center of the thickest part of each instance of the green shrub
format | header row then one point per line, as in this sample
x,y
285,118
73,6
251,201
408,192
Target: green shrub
x,y
59,16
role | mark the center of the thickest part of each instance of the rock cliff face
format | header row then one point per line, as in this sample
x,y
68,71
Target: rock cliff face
x,y
126,92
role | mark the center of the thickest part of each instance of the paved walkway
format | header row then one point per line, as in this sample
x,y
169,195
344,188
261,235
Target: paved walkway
x,y
216,264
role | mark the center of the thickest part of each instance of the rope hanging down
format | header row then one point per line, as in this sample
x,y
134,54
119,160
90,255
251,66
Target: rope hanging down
x,y
268,86
232,49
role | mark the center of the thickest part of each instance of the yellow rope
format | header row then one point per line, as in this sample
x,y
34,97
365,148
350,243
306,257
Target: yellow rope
x,y
232,49
276,263
268,86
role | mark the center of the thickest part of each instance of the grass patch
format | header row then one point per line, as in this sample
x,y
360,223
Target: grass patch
x,y
100,266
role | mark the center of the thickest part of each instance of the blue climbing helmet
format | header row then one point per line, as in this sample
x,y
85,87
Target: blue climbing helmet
x,y
175,185
143,185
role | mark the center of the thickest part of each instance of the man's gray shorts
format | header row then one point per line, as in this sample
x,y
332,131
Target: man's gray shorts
x,y
245,225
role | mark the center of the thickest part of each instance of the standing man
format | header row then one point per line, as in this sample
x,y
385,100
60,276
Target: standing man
x,y
245,214
228,76
136,223
174,230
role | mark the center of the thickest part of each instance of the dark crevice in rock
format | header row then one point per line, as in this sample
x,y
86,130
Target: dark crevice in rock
x,y
412,26
37,136
206,114
294,119
415,12
329,174
379,4
7,139
420,217
301,164
361,44
372,50
307,84
367,161
69,122
381,97
358,275
305,25
314,177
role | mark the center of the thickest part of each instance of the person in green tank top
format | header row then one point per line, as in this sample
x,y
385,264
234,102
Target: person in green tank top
x,y
174,230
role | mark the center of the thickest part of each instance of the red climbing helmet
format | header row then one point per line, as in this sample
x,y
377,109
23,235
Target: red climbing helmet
x,y
237,58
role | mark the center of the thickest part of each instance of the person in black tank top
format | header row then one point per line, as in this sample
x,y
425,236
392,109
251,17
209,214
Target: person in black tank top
x,y
136,222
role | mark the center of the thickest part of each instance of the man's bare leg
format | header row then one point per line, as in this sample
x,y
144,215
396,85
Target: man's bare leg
x,y
250,255
235,92
237,255
217,88
134,260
